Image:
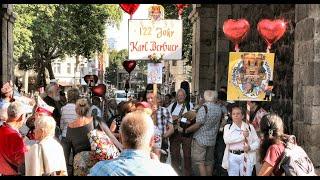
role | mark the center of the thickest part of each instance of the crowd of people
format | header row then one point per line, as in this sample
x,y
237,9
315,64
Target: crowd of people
x,y
53,138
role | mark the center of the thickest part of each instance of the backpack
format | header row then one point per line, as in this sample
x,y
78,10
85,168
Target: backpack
x,y
295,161
175,104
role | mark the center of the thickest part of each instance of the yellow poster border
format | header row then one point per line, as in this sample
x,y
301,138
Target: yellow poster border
x,y
234,92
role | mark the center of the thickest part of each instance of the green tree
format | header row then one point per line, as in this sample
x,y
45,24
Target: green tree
x,y
87,34
57,30
171,12
116,58
22,32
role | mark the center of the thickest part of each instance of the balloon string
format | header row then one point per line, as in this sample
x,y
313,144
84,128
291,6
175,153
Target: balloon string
x,y
130,16
268,48
236,48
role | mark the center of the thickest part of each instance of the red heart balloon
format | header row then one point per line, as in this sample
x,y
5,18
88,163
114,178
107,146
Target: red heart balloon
x,y
236,30
89,78
129,65
181,7
129,8
272,30
99,90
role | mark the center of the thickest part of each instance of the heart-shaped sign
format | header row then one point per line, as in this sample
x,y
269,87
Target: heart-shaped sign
x,y
129,65
272,30
99,90
130,8
89,79
236,30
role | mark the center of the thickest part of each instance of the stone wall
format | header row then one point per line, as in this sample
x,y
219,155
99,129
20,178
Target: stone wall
x,y
204,18
6,65
211,74
306,99
223,47
283,49
297,61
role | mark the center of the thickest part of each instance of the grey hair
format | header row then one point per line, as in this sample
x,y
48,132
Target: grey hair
x,y
210,95
50,89
47,124
14,110
183,91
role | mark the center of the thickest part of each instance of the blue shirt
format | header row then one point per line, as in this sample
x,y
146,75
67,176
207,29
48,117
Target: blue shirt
x,y
4,104
132,163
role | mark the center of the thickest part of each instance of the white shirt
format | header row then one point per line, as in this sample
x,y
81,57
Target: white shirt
x,y
68,114
236,132
177,109
50,156
253,141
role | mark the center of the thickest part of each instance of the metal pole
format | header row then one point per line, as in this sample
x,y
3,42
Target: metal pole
x,y
246,157
217,50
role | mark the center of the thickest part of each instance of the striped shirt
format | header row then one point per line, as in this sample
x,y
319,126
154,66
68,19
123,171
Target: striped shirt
x,y
210,124
163,118
68,114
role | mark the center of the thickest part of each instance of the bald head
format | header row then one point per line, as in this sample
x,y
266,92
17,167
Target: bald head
x,y
137,130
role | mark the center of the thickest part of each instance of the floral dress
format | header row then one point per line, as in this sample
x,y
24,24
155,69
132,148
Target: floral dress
x,y
83,162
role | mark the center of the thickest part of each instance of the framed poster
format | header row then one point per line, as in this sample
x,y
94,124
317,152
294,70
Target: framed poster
x,y
163,38
155,73
249,75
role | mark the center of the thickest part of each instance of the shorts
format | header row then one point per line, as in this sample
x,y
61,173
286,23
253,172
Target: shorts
x,y
201,153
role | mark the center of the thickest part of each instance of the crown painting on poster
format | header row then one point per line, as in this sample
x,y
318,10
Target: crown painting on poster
x,y
249,76
155,73
155,37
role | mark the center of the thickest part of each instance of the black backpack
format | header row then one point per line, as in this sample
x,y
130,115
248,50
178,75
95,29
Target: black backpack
x,y
175,104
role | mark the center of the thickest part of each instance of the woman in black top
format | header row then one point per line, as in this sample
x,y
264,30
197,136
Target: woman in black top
x,y
77,139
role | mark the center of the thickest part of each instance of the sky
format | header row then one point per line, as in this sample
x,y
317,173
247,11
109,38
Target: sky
x,y
121,34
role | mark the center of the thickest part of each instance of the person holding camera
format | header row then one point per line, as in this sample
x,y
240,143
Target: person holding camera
x,y
177,110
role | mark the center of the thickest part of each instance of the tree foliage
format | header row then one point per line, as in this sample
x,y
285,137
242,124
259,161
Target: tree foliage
x,y
22,32
116,58
54,30
86,24
171,12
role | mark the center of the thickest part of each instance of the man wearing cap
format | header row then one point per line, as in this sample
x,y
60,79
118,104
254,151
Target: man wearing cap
x,y
12,147
42,109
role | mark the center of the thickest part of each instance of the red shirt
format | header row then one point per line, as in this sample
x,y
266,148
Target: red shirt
x,y
273,157
12,149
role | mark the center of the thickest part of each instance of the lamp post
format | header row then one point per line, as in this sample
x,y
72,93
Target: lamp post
x,y
126,87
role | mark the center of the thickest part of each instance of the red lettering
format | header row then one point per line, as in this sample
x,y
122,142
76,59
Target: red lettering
x,y
134,46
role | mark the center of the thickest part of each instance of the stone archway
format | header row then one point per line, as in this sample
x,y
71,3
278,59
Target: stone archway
x,y
297,68
306,84
6,65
